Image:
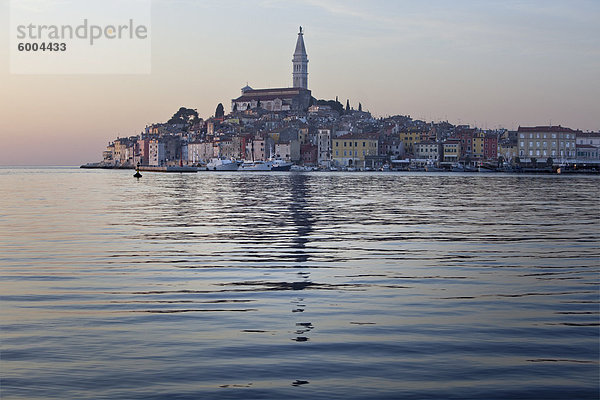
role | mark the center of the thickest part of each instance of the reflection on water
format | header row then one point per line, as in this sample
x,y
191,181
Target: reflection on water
x,y
292,285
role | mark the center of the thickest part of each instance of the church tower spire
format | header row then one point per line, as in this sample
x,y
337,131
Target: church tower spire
x,y
300,64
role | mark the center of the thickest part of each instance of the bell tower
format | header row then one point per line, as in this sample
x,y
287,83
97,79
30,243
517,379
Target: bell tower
x,y
300,64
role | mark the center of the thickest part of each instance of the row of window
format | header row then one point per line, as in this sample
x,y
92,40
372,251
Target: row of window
x,y
545,144
581,141
349,153
349,144
545,153
586,154
544,136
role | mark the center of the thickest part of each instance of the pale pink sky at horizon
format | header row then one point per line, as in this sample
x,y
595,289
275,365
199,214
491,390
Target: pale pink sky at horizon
x,y
490,64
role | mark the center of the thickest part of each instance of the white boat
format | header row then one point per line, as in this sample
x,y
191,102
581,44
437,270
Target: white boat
x,y
280,165
255,166
271,165
221,164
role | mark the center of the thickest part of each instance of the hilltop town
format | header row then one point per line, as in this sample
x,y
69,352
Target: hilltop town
x,y
292,125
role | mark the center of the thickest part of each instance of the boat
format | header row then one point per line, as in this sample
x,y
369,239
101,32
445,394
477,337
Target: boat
x,y
483,168
255,166
280,165
271,165
221,164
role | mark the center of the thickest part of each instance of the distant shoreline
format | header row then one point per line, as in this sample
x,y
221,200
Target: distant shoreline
x,y
176,168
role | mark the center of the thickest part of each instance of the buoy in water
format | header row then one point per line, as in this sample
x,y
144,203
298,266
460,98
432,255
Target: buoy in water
x,y
137,172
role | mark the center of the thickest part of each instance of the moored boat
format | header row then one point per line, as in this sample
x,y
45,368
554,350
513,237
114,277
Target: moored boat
x,y
255,166
221,164
280,165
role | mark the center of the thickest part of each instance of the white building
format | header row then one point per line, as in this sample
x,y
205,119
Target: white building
x,y
589,138
295,98
156,152
288,151
324,147
427,150
201,152
543,142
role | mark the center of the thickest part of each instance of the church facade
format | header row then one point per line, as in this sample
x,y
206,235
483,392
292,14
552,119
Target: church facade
x,y
295,98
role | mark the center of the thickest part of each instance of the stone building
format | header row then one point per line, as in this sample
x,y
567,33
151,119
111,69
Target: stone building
x,y
543,142
295,98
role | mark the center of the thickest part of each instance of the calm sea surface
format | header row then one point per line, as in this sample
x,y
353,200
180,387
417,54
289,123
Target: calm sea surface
x,y
298,285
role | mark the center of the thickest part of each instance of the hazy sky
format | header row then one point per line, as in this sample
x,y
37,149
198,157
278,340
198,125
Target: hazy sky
x,y
485,63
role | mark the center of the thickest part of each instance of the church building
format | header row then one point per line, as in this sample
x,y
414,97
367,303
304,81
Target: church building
x,y
295,98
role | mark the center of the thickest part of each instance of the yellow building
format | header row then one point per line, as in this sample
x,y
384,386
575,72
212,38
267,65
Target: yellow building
x,y
351,150
478,141
410,137
451,150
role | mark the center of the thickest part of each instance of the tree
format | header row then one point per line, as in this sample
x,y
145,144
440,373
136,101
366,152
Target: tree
x,y
335,105
359,107
185,116
220,111
347,105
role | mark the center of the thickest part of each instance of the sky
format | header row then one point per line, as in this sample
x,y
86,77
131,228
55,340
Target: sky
x,y
485,63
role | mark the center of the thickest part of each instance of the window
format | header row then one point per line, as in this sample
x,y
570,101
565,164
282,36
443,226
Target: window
x,y
364,144
530,152
554,136
537,144
522,136
344,152
530,144
336,152
336,143
364,153
522,144
350,144
355,144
